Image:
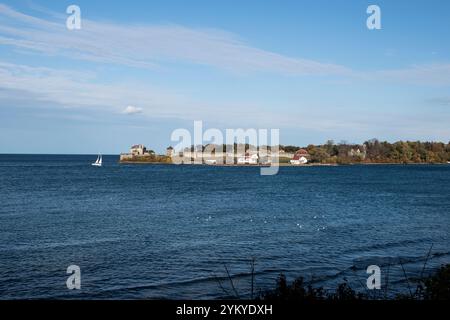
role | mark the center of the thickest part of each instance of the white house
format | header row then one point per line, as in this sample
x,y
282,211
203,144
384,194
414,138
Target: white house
x,y
210,161
138,150
248,159
358,153
300,157
298,160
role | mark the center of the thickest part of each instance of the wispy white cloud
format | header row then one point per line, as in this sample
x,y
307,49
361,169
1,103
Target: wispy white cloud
x,y
132,110
149,46
430,74
61,89
74,89
64,89
154,46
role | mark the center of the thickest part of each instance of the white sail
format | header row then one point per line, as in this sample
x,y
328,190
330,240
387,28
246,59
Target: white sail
x,y
98,162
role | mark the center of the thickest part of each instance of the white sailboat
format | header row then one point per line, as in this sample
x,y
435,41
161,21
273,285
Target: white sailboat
x,y
98,162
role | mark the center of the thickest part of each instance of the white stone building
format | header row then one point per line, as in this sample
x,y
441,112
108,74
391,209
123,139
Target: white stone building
x,y
138,150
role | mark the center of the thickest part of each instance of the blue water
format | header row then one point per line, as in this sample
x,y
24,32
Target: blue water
x,y
163,231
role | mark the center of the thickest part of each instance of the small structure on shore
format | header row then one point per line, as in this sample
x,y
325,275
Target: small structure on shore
x,y
357,153
170,152
210,161
300,157
248,159
138,150
139,153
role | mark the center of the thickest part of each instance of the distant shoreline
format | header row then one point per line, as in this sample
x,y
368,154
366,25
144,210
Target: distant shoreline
x,y
226,165
371,152
284,164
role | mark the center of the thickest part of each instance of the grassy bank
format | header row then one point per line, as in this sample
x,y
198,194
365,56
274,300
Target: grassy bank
x,y
147,159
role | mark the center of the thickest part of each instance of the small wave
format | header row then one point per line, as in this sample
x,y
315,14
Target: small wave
x,y
23,247
363,263
378,246
182,283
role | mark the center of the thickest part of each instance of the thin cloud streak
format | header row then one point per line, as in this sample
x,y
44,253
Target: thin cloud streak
x,y
150,46
153,47
62,90
431,74
34,86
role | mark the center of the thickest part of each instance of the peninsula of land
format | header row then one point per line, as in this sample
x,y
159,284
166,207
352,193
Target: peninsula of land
x,y
330,153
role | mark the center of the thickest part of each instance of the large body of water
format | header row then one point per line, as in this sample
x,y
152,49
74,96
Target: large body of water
x,y
164,231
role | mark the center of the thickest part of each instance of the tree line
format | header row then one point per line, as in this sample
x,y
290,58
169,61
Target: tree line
x,y
374,151
371,151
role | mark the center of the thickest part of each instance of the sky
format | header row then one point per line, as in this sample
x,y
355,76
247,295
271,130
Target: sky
x,y
138,70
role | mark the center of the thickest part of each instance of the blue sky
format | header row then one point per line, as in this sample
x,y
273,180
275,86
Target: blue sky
x,y
309,68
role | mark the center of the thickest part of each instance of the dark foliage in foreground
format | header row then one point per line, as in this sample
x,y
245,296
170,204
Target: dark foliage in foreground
x,y
435,287
299,290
